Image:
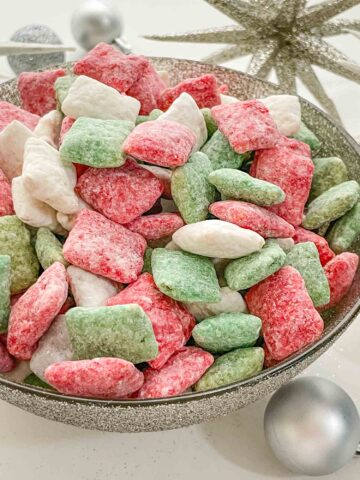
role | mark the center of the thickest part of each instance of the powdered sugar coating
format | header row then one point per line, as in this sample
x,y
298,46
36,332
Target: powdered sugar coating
x,y
33,313
104,248
179,373
10,112
49,126
121,194
6,202
247,125
12,145
111,378
289,319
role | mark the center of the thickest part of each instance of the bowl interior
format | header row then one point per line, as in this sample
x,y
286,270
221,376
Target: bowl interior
x,y
335,142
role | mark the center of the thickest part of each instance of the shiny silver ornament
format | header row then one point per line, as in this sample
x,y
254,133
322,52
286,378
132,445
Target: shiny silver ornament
x,y
312,426
29,62
96,21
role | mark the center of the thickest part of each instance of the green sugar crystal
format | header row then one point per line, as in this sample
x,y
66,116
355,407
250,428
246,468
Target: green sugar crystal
x,y
191,190
305,258
328,172
241,186
147,260
32,379
48,248
209,121
15,241
232,367
62,87
345,230
141,119
307,136
184,276
5,282
154,114
227,331
221,154
96,143
122,331
245,272
332,204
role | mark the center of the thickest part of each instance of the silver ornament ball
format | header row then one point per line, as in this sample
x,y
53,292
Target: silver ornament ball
x,y
312,426
96,21
29,62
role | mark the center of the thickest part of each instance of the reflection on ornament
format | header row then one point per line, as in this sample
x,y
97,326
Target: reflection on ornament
x,y
286,35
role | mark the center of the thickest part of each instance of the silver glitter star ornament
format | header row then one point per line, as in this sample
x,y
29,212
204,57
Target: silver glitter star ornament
x,y
286,35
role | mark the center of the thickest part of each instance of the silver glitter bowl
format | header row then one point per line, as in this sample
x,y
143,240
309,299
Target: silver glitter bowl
x,y
191,408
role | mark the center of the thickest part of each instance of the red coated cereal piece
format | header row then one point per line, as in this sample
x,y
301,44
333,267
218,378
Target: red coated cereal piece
x,y
247,125
10,112
204,90
164,313
289,318
69,303
37,91
108,65
6,203
105,248
121,194
224,89
7,363
340,272
295,179
33,313
147,89
154,227
179,373
250,216
97,378
295,146
325,253
164,175
268,359
163,143
66,124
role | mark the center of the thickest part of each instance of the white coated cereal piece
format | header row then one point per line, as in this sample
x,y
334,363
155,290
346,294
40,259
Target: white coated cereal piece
x,y
226,99
89,98
216,238
164,75
20,372
30,210
89,290
67,220
286,243
184,110
231,301
285,111
172,246
54,346
12,145
49,126
168,206
48,178
163,174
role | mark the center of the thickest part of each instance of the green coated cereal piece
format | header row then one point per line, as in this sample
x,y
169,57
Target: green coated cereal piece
x,y
220,153
32,379
62,87
141,119
96,143
227,331
232,367
307,136
241,186
305,258
48,248
184,276
332,204
209,121
191,190
122,331
328,172
147,260
5,282
15,241
247,271
345,230
154,114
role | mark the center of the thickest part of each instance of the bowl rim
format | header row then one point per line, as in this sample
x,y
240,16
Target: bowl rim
x,y
289,362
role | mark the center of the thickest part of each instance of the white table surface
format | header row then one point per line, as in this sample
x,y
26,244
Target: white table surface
x,y
232,447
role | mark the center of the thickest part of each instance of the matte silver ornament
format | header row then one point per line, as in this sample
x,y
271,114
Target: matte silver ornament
x,y
96,21
312,426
